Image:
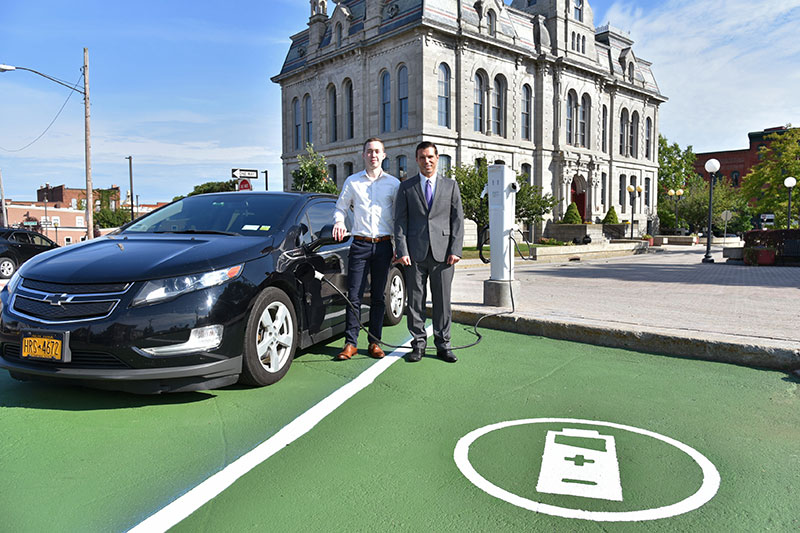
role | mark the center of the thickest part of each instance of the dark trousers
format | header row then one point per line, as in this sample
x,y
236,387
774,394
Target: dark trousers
x,y
374,259
441,280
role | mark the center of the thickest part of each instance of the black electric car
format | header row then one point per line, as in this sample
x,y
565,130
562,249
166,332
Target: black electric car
x,y
201,293
19,245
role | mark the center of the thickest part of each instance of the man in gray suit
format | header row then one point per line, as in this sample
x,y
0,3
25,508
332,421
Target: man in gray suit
x,y
429,235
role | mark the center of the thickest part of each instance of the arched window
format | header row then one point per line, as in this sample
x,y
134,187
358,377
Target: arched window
x,y
307,118
386,103
491,22
385,164
584,120
297,138
604,140
622,192
332,119
735,178
348,169
402,98
527,102
572,111
630,72
402,167
633,143
648,138
479,101
499,107
603,180
583,44
445,162
338,35
579,10
647,192
572,41
444,95
623,133
349,112
332,173
526,171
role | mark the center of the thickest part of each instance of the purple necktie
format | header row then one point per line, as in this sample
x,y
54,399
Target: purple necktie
x,y
428,193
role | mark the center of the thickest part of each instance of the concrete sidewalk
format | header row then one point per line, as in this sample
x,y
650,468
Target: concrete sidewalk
x,y
666,302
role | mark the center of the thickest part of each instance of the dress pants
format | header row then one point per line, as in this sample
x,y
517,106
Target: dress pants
x,y
375,259
441,279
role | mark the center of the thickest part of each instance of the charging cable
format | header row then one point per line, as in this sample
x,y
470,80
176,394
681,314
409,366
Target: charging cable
x,y
318,275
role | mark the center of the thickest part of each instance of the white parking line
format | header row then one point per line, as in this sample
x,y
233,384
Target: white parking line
x,y
185,505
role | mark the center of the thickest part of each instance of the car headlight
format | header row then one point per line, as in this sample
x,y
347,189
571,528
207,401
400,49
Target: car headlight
x,y
13,283
159,290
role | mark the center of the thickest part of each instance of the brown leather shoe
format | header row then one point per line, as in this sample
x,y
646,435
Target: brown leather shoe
x,y
375,351
347,352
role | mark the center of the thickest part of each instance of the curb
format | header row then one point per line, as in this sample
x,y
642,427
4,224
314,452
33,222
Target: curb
x,y
745,354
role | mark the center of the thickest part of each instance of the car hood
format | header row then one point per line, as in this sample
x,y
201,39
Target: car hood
x,y
128,258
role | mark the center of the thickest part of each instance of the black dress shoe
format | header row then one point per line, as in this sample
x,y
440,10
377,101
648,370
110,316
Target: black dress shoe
x,y
415,355
446,355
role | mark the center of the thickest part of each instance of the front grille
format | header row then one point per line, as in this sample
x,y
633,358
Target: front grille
x,y
73,288
63,311
12,352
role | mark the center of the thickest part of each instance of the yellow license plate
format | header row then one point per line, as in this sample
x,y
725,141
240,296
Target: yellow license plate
x,y
39,346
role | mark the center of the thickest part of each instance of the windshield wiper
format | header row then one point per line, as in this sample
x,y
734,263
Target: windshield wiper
x,y
202,231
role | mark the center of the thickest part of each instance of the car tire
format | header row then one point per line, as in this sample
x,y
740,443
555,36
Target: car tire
x,y
7,267
395,297
270,339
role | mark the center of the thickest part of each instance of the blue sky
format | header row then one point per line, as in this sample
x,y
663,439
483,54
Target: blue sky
x,y
184,87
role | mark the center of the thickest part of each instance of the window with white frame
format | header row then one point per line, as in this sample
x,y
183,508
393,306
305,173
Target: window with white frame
x,y
499,107
386,103
297,140
527,102
332,115
479,101
444,95
402,98
348,109
79,221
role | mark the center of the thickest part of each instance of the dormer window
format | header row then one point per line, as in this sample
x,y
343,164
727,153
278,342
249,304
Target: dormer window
x,y
491,22
630,72
579,10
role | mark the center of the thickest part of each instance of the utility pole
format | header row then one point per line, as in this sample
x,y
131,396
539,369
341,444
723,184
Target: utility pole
x,y
3,200
89,191
130,173
46,220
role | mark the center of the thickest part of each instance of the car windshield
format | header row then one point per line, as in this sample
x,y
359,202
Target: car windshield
x,y
230,214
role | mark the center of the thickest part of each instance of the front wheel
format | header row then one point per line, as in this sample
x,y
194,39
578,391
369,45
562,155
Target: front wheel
x,y
270,339
395,297
7,267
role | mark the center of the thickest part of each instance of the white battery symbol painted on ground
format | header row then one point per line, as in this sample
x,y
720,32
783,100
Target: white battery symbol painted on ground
x,y
580,462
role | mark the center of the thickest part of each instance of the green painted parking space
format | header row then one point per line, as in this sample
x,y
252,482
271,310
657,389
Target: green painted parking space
x,y
385,458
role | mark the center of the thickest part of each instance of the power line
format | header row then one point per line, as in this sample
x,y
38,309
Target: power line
x,y
51,122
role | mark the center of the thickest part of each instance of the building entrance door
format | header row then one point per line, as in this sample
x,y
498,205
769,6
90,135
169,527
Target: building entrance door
x,y
579,198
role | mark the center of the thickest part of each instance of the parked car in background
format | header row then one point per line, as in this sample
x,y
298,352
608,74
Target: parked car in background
x,y
19,245
201,293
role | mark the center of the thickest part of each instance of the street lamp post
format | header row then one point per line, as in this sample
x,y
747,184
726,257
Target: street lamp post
x,y
676,197
130,172
712,166
634,192
86,128
789,182
46,221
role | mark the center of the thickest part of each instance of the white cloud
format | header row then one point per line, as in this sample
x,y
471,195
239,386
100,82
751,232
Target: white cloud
x,y
728,67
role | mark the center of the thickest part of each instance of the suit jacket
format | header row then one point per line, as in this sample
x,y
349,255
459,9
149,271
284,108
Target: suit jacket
x,y
440,229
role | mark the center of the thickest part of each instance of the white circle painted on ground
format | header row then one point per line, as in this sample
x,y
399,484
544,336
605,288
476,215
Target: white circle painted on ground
x,y
707,490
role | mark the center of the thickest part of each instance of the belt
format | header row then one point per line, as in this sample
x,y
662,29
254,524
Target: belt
x,y
372,239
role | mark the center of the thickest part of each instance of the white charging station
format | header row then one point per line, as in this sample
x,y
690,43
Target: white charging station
x,y
502,191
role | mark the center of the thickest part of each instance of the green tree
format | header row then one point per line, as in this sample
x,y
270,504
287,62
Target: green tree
x,y
312,174
211,186
532,205
611,217
763,186
694,206
108,218
676,166
572,216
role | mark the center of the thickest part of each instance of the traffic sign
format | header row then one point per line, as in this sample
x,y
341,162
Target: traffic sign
x,y
245,185
240,173
727,215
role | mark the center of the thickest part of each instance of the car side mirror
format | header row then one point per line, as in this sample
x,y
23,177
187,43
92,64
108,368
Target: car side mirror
x,y
324,238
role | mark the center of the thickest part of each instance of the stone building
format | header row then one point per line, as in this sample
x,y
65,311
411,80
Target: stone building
x,y
533,85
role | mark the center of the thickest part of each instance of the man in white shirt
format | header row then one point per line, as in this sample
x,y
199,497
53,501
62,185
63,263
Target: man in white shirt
x,y
371,195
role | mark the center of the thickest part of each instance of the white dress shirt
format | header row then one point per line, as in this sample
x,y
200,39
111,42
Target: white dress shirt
x,y
372,201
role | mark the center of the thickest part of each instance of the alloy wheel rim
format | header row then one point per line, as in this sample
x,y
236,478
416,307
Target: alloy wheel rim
x,y
274,337
396,296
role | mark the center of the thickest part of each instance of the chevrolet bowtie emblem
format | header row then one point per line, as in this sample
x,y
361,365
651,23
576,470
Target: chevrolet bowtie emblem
x,y
56,299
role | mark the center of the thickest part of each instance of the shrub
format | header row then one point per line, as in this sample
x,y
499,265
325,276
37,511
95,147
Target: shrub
x,y
774,239
611,216
572,216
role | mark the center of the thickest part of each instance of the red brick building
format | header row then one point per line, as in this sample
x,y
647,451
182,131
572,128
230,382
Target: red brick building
x,y
736,164
62,196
